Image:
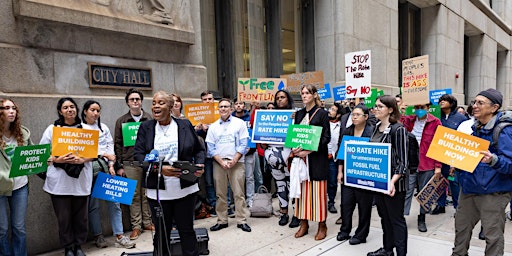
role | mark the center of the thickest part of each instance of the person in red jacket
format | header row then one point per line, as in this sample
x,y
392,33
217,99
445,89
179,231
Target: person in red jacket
x,y
423,126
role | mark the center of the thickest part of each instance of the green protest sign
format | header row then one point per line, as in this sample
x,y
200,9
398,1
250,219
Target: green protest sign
x,y
305,136
434,110
370,101
29,160
129,131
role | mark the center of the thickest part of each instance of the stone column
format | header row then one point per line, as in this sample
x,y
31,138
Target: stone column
x,y
481,64
504,76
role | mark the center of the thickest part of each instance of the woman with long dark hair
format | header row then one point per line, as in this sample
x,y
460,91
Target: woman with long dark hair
x,y
69,190
13,191
391,206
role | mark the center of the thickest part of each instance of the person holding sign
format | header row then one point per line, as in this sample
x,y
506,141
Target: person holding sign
x,y
391,206
350,195
91,120
13,191
171,197
488,189
125,134
312,204
69,194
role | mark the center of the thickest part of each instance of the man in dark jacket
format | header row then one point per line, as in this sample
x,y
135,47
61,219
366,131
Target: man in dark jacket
x,y
488,189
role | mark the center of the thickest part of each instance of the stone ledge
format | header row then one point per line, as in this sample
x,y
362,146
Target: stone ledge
x,y
100,18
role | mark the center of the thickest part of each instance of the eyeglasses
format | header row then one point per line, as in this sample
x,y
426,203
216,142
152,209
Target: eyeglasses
x,y
358,115
224,106
380,106
480,103
134,99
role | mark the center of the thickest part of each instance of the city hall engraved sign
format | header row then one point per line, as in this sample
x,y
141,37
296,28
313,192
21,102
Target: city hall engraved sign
x,y
107,76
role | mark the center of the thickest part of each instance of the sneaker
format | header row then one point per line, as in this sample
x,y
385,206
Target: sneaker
x,y
124,242
332,208
231,213
100,242
284,219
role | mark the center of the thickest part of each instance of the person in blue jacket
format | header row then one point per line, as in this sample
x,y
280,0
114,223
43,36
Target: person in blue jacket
x,y
488,189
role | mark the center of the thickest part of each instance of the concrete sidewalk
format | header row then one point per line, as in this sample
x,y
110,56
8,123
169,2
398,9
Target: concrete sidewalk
x,y
268,238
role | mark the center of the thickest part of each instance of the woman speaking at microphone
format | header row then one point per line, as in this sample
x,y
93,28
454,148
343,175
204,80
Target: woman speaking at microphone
x,y
175,140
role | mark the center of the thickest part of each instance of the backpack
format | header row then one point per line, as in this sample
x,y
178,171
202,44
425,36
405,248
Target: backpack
x,y
504,121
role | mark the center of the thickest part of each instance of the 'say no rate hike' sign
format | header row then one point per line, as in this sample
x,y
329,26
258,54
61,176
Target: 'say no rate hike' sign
x,y
271,126
368,165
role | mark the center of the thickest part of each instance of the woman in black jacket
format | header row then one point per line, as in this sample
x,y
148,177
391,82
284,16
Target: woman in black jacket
x,y
312,204
391,206
175,140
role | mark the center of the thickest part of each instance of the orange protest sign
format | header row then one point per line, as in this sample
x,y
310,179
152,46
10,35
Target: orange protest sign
x,y
457,149
205,113
81,142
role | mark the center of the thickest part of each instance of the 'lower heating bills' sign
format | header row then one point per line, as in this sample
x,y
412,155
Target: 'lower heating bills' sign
x,y
114,188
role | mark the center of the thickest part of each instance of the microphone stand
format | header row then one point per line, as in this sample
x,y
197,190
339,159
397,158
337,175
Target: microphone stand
x,y
163,237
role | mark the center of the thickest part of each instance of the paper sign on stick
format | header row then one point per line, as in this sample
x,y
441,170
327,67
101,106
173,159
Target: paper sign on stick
x,y
431,192
80,142
436,94
296,81
415,81
325,93
457,149
339,92
114,188
29,160
205,113
129,131
259,89
358,74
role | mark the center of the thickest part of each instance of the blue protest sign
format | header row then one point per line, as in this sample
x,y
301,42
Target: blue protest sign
x,y
250,144
367,166
114,188
436,94
271,126
339,93
346,138
325,93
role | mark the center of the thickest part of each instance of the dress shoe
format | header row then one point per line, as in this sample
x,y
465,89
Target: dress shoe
x,y
135,234
303,230
243,227
438,210
354,240
78,251
381,252
284,220
332,209
294,223
322,231
481,235
150,227
342,236
69,251
218,227
338,221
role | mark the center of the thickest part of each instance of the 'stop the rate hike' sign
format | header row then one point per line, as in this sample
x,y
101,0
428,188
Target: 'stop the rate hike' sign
x,y
358,74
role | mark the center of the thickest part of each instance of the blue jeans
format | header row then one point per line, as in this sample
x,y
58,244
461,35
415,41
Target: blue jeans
x,y
454,188
211,198
332,182
116,217
17,203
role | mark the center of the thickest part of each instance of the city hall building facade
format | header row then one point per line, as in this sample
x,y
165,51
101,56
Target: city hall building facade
x,y
96,49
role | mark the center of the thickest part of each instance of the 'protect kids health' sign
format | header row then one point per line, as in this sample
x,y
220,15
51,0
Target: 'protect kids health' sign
x,y
358,74
80,142
205,113
271,126
259,89
304,136
114,188
457,149
129,131
367,165
29,160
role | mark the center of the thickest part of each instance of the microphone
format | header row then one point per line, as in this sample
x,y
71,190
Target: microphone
x,y
152,157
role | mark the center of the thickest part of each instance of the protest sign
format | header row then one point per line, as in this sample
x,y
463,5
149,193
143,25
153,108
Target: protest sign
x,y
29,160
358,74
431,192
369,102
259,89
338,92
325,93
129,131
457,149
296,81
346,138
415,84
114,188
304,136
250,142
436,94
80,142
434,110
271,126
368,165
205,113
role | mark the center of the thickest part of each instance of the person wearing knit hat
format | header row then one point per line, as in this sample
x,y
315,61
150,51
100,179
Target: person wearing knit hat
x,y
487,190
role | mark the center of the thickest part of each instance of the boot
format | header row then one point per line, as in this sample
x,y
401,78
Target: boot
x,y
322,231
422,227
303,229
69,251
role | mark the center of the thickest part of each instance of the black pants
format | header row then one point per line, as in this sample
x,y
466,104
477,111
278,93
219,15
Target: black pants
x,y
182,211
266,173
364,199
72,218
391,212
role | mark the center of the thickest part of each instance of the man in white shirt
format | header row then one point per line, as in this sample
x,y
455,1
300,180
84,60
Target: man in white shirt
x,y
335,113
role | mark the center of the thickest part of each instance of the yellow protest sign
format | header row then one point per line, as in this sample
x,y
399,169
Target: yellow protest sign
x,y
205,113
259,89
81,142
457,149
